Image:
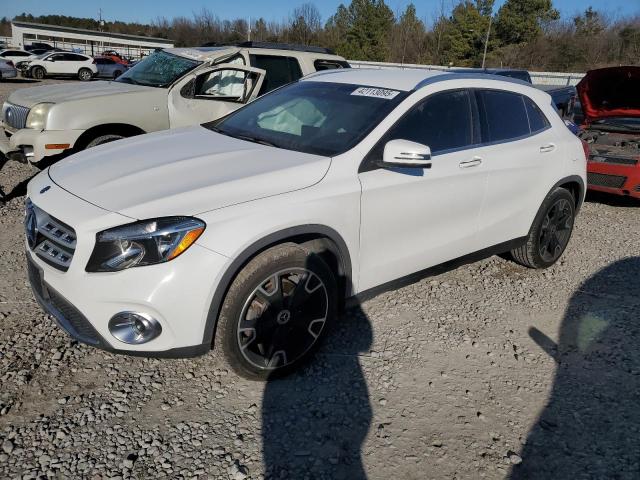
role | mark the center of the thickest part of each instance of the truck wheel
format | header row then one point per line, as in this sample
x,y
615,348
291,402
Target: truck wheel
x,y
110,137
85,74
550,232
37,73
276,312
116,74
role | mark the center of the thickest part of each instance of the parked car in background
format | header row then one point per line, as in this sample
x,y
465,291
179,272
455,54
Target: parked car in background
x,y
7,69
254,229
40,46
610,102
115,56
62,64
15,55
564,98
167,89
109,68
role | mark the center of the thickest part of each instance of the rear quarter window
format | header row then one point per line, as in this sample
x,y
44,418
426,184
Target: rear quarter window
x,y
503,116
537,119
320,65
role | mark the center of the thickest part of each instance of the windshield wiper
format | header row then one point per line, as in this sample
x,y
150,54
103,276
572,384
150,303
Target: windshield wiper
x,y
249,138
127,80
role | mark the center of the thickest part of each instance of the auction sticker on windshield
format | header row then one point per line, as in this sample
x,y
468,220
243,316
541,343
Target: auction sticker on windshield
x,y
375,92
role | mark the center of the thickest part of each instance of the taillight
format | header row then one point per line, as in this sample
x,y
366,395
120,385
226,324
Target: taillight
x,y
587,150
10,63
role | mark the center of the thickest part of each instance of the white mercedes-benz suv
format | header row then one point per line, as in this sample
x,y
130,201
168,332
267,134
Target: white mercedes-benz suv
x,y
253,230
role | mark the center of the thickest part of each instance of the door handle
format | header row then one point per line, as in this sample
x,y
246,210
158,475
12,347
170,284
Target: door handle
x,y
550,147
474,162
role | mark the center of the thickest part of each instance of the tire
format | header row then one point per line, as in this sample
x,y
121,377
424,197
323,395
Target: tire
x,y
261,334
116,74
38,73
550,233
85,74
102,139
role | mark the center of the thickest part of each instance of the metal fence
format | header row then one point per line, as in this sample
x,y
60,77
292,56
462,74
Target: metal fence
x,y
538,78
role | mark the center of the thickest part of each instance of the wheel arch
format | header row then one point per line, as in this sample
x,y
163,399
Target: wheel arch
x,y
320,239
575,185
123,129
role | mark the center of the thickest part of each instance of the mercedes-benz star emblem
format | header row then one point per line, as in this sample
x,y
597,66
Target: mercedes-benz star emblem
x,y
31,227
283,317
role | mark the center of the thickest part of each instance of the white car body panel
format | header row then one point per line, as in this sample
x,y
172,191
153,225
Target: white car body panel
x,y
392,223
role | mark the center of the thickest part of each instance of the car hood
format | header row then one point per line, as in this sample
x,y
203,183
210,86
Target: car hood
x,y
183,172
28,97
610,92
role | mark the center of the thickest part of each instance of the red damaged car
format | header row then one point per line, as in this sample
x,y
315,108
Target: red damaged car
x,y
610,99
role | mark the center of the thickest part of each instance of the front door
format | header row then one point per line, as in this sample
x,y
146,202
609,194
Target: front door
x,y
212,93
412,219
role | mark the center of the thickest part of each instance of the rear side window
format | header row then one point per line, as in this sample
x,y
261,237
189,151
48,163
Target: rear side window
x,y
503,116
537,120
280,70
442,121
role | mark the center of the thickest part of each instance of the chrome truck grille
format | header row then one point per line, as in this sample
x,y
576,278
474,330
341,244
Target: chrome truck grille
x,y
50,239
14,115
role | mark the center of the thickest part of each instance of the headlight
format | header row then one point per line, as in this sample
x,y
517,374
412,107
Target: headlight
x,y
37,118
143,243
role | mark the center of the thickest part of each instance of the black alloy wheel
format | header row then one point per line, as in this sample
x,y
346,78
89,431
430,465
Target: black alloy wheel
x,y
555,230
283,318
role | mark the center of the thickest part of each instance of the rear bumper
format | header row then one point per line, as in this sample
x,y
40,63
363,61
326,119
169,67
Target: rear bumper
x,y
8,73
28,145
615,179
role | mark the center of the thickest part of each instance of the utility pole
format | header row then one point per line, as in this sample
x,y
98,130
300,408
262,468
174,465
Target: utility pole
x,y
486,41
249,31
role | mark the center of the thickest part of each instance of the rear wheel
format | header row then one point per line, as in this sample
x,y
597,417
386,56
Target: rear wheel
x,y
110,137
550,232
37,73
85,74
276,312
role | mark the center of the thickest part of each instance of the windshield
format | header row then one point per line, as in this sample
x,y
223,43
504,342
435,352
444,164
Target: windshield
x,y
312,117
160,69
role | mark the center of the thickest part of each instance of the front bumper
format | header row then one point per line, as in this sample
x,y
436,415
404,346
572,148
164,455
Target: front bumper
x,y
27,145
615,179
177,294
8,74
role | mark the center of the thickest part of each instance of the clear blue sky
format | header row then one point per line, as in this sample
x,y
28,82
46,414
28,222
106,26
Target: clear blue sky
x,y
146,10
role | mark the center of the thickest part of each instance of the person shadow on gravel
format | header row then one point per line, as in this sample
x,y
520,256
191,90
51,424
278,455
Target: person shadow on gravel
x,y
315,421
590,427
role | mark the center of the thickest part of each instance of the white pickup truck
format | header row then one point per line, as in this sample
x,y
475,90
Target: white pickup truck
x,y
170,88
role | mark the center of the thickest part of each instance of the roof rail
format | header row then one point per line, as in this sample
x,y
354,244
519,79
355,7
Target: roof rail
x,y
273,45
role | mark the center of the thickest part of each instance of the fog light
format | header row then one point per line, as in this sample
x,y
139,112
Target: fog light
x,y
134,328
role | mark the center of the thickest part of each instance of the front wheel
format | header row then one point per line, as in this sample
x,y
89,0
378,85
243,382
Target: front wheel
x,y
276,312
110,137
37,73
550,232
85,74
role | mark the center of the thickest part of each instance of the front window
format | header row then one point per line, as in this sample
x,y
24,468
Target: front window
x,y
160,69
312,117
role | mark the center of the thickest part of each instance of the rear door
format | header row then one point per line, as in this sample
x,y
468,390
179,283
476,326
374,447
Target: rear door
x,y
412,219
280,70
212,93
520,153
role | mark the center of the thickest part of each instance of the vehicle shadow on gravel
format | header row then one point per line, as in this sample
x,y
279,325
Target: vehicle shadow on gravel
x,y
590,427
612,200
314,422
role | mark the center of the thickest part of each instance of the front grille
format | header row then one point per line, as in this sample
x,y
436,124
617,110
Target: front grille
x,y
67,316
602,180
50,239
14,115
614,160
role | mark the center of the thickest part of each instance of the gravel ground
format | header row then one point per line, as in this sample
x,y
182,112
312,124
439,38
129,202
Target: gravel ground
x,y
490,370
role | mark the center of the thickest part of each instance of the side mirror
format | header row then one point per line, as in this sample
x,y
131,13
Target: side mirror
x,y
404,153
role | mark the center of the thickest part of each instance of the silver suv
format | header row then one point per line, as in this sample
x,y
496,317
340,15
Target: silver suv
x,y
170,88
